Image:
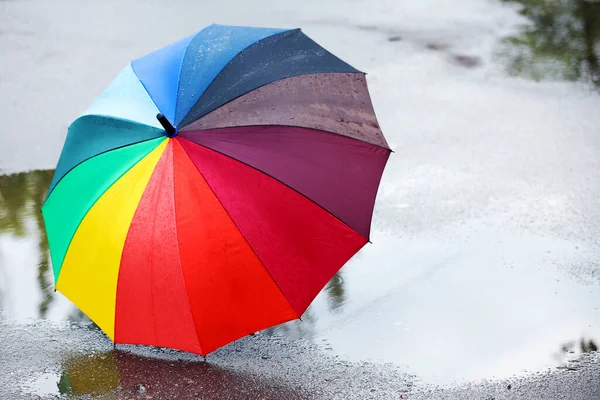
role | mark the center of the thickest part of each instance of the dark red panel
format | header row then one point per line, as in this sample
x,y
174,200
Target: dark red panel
x,y
230,291
152,306
300,244
340,174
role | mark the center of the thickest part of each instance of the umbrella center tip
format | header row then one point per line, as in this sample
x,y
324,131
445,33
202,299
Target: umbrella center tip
x,y
170,130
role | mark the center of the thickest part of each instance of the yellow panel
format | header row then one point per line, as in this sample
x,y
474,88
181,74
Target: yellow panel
x,y
91,267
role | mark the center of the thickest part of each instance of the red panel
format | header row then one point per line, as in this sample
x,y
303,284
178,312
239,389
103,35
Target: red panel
x,y
301,245
152,306
230,291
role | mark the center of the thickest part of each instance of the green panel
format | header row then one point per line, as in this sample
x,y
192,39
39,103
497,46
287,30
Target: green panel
x,y
91,135
79,190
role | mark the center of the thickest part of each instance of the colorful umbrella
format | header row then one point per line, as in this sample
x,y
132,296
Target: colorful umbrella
x,y
214,188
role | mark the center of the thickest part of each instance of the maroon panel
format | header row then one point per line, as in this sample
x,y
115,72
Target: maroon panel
x,y
299,243
338,173
335,102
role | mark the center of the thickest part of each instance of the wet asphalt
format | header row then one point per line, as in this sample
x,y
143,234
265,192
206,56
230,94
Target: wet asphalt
x,y
483,278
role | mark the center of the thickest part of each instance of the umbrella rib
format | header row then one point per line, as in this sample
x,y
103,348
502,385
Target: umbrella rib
x,y
369,99
89,158
281,182
181,267
283,126
285,35
242,235
100,196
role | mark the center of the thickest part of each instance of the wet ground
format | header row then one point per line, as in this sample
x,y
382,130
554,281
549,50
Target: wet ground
x,y
483,278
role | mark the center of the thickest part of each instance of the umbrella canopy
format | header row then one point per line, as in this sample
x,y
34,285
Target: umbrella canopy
x,y
214,188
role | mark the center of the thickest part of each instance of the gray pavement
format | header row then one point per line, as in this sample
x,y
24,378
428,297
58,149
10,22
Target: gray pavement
x,y
483,278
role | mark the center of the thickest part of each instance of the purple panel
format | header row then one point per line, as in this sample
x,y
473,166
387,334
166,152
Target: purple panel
x,y
338,173
336,102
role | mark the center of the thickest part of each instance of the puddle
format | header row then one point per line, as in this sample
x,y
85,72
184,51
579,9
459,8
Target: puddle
x,y
447,310
121,374
452,313
47,384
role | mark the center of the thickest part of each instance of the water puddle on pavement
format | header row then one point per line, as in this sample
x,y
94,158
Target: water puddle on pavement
x,y
447,311
119,374
43,385
454,313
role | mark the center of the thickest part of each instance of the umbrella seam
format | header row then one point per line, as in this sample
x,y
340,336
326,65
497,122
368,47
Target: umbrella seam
x,y
145,88
106,151
225,66
244,50
99,197
291,188
179,75
179,257
286,126
241,234
212,80
182,129
127,234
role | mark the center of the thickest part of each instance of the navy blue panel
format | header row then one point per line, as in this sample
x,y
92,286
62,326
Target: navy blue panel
x,y
206,55
91,135
287,54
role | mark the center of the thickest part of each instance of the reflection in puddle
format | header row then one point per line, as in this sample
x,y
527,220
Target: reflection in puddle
x,y
26,287
563,41
123,375
450,311
93,374
454,312
43,385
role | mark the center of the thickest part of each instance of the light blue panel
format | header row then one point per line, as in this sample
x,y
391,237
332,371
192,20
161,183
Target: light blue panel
x,y
206,55
159,73
126,98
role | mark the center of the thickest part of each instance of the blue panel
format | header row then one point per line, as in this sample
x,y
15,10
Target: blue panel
x,y
91,135
159,73
206,55
126,98
286,54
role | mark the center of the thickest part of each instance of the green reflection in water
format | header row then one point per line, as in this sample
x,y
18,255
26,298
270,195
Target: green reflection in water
x,y
563,41
21,198
336,294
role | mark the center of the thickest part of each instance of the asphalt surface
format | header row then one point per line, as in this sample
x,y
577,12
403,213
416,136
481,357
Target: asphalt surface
x,y
258,367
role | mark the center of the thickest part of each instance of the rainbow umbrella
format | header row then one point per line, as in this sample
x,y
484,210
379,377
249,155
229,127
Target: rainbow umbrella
x,y
214,188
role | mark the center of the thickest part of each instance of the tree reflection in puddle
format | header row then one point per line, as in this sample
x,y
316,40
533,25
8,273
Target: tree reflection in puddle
x,y
21,198
563,41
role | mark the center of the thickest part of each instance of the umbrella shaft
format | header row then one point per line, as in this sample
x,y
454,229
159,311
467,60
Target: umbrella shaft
x,y
169,129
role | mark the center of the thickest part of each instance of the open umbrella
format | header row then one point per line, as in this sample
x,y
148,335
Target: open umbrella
x,y
214,188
